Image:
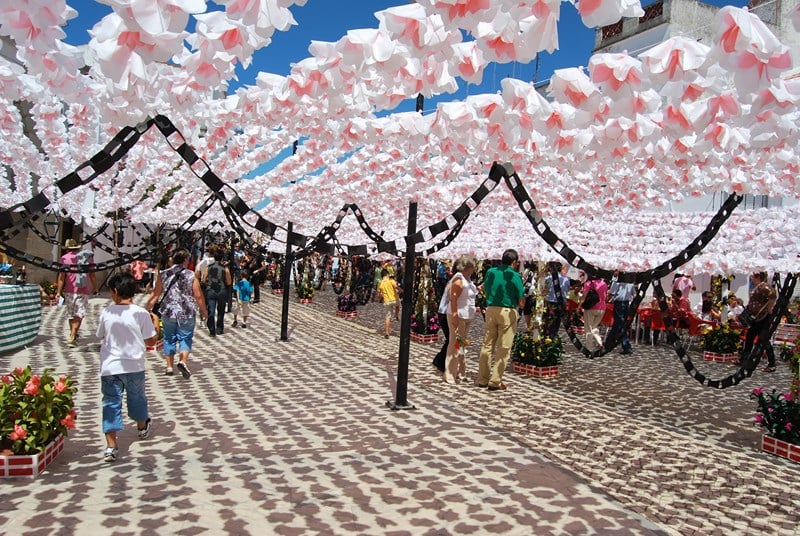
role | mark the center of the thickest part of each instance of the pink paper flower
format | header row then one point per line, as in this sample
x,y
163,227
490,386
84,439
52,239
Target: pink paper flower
x,y
758,391
759,418
60,386
788,396
788,427
5,379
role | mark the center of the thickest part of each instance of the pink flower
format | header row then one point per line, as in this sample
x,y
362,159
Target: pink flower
x,y
771,410
759,418
758,391
19,433
60,386
68,421
788,396
18,371
31,388
5,378
788,427
62,378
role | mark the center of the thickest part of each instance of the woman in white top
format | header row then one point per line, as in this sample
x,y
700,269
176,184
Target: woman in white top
x,y
460,312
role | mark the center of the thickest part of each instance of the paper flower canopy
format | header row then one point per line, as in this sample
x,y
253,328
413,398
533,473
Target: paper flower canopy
x,y
633,134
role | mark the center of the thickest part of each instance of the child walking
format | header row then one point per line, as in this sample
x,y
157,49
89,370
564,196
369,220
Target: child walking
x,y
125,329
389,291
243,290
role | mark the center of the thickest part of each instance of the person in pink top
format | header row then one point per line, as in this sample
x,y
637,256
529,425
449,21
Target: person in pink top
x,y
683,283
75,288
594,314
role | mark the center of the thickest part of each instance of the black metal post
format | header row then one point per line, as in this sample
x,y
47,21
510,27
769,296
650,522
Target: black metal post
x,y
287,270
401,393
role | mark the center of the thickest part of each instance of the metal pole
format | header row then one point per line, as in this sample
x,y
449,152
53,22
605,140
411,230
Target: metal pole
x,y
401,394
287,270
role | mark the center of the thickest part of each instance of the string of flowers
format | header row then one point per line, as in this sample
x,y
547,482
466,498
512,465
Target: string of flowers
x,y
424,319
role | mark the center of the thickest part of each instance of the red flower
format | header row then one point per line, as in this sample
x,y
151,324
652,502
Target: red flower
x,y
19,433
60,386
68,421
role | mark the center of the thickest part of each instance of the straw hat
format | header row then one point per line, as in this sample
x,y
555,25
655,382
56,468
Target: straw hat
x,y
71,244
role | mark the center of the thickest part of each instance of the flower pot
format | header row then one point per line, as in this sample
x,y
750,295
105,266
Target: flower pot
x,y
347,314
157,347
31,465
721,358
780,448
425,339
304,300
532,370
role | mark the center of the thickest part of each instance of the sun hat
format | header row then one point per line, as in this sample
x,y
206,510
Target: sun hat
x,y
71,244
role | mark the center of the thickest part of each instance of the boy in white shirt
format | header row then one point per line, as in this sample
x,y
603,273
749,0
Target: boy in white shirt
x,y
125,329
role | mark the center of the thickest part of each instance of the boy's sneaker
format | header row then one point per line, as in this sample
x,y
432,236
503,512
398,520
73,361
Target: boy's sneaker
x,y
244,325
236,323
71,343
184,370
144,433
110,454
168,371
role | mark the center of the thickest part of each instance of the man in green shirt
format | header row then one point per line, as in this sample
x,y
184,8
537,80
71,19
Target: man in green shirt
x,y
504,294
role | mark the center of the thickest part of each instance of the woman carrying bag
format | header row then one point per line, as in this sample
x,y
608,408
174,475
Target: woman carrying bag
x,y
759,309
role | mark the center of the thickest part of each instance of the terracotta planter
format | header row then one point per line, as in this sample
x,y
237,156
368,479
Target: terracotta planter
x,y
721,358
31,465
347,314
425,339
536,372
780,448
304,300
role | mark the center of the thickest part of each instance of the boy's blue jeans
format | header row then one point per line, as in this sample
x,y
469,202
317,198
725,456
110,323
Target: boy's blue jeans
x,y
112,388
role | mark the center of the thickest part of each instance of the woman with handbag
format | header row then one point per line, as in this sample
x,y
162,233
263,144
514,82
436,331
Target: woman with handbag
x,y
759,309
178,309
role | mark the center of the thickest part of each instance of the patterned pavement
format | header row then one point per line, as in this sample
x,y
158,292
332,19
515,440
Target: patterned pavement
x,y
294,437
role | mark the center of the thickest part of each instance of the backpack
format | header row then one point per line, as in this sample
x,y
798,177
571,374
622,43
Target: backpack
x,y
216,277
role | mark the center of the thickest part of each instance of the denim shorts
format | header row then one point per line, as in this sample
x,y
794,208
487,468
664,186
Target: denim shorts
x,y
178,335
112,387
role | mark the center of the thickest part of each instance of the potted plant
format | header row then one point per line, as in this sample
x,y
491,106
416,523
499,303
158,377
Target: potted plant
x,y
536,356
346,306
47,292
304,292
721,342
36,412
779,414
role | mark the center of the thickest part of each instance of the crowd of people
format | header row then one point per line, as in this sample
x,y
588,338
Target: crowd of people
x,y
227,280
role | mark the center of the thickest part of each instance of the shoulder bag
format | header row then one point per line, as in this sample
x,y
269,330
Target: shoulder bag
x,y
591,299
157,307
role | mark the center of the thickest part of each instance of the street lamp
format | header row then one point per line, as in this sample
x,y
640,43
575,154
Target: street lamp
x,y
51,224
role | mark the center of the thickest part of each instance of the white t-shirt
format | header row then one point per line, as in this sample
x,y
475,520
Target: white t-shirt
x,y
123,329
